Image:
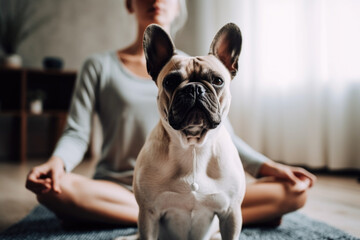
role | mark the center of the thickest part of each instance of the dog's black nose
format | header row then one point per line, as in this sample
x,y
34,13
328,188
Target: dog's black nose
x,y
195,89
200,90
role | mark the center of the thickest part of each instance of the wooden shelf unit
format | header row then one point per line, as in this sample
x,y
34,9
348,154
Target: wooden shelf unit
x,y
19,128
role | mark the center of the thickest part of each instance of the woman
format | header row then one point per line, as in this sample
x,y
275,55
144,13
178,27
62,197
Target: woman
x,y
117,86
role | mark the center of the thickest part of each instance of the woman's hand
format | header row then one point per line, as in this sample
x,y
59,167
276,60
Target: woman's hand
x,y
46,177
299,177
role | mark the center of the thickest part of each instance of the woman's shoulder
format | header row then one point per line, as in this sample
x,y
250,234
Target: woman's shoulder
x,y
99,61
181,53
100,58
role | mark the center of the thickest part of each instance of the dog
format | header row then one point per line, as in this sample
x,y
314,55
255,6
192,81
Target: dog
x,y
189,172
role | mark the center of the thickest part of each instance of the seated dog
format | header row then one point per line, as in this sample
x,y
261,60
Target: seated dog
x,y
188,172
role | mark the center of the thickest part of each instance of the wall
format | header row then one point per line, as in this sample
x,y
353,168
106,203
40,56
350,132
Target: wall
x,y
79,28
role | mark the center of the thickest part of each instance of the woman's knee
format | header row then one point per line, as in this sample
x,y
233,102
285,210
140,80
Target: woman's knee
x,y
293,200
53,198
59,203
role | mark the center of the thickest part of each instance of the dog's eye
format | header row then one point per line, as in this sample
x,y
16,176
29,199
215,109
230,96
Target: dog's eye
x,y
171,82
217,81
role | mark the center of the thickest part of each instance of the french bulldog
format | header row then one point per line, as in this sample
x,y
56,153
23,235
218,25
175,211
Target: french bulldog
x,y
188,172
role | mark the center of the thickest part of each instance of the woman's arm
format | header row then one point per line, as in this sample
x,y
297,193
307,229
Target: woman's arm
x,y
258,165
299,177
251,159
75,139
45,177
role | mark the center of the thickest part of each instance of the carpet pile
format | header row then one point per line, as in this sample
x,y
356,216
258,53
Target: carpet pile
x,y
43,224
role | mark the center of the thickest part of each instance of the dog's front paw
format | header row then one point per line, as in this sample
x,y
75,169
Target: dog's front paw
x,y
216,236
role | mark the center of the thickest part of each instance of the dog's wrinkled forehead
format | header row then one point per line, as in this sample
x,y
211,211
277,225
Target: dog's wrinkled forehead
x,y
194,68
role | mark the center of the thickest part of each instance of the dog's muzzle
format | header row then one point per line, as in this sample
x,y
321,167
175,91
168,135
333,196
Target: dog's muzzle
x,y
194,108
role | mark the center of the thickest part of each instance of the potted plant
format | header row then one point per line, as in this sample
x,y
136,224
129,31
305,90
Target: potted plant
x,y
36,98
17,22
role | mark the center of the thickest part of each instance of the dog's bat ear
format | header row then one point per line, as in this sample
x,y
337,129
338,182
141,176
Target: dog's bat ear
x,y
158,48
226,46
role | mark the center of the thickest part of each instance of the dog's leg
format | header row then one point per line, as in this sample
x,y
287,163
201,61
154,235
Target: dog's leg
x,y
214,231
148,225
216,236
231,223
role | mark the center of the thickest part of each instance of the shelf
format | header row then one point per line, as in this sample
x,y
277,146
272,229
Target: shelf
x,y
54,113
52,72
10,113
11,70
38,71
48,114
25,134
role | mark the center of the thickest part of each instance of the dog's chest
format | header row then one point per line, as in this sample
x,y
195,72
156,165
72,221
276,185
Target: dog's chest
x,y
192,212
210,197
218,185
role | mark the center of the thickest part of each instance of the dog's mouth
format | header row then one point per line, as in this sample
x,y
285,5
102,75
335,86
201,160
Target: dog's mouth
x,y
196,124
194,113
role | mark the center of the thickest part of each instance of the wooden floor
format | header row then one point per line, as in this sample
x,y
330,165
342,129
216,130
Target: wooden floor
x,y
334,199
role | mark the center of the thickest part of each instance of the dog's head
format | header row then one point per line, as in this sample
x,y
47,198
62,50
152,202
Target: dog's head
x,y
194,92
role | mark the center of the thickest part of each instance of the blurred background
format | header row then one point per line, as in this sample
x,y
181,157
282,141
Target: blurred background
x,y
296,98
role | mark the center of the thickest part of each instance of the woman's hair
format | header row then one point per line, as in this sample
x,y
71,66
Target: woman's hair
x,y
180,20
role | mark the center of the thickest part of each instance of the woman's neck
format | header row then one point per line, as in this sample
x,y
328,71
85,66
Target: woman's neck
x,y
133,56
136,48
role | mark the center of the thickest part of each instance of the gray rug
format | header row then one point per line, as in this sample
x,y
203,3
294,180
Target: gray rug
x,y
42,224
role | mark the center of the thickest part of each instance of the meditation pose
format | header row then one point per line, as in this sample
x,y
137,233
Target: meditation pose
x,y
116,86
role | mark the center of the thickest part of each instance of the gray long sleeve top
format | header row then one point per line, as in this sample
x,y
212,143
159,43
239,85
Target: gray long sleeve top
x,y
126,106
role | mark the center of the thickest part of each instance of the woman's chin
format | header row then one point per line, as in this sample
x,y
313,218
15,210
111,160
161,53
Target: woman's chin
x,y
160,20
